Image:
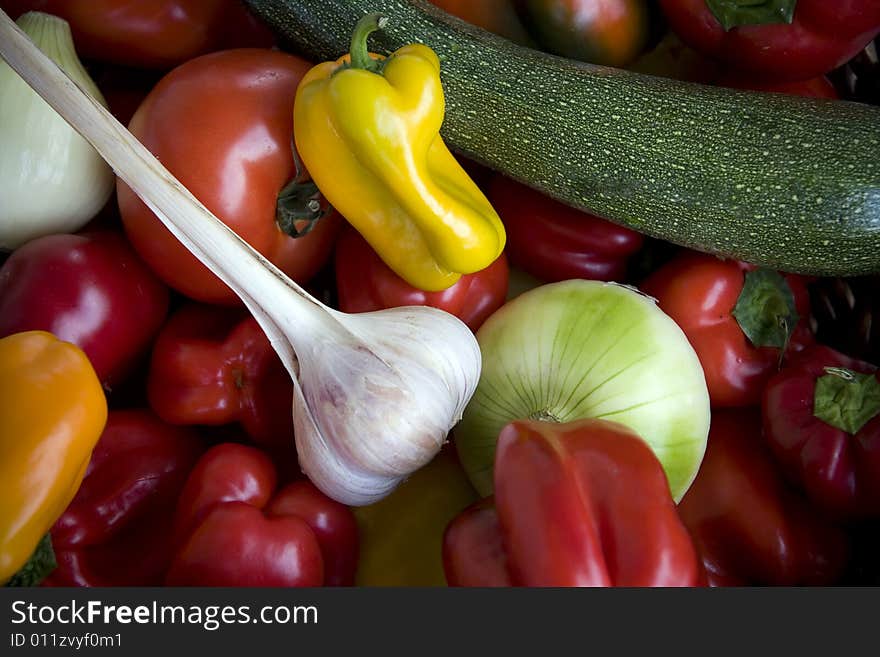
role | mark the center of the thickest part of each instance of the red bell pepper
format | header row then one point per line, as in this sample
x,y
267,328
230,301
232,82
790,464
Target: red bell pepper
x,y
739,319
364,283
89,289
233,528
117,530
749,527
791,39
822,421
214,366
157,34
555,242
584,503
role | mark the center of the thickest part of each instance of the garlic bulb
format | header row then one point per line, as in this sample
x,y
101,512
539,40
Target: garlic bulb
x,y
375,394
51,179
364,419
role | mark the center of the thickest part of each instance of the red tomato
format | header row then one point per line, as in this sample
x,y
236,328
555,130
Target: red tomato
x,y
365,283
555,242
141,33
222,124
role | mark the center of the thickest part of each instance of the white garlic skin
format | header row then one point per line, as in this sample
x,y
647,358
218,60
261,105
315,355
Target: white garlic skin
x,y
381,407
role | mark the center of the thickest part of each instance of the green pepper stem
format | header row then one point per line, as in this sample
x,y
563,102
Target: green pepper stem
x,y
845,399
360,56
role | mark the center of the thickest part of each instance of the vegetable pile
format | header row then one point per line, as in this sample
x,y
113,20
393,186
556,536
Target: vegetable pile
x,y
303,293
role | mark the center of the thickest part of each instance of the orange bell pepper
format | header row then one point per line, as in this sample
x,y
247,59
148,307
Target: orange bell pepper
x,y
52,412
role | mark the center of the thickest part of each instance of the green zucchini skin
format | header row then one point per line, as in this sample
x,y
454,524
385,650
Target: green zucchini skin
x,y
778,181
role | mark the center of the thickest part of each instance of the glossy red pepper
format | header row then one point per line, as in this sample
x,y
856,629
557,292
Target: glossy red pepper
x,y
89,289
748,525
365,283
555,242
703,294
214,366
117,530
822,420
141,33
821,36
584,503
233,528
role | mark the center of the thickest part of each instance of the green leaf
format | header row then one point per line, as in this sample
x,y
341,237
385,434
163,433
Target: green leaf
x,y
765,309
41,563
733,13
845,399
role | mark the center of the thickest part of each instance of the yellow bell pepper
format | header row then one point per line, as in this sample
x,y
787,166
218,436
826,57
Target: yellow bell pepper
x,y
367,129
401,536
52,412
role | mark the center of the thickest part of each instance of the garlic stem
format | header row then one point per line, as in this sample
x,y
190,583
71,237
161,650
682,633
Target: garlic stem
x,y
374,394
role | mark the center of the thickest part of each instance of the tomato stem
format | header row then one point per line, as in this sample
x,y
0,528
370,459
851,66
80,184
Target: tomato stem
x,y
299,208
300,205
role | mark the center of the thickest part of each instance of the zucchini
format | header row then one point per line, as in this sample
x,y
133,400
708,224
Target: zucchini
x,y
779,181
